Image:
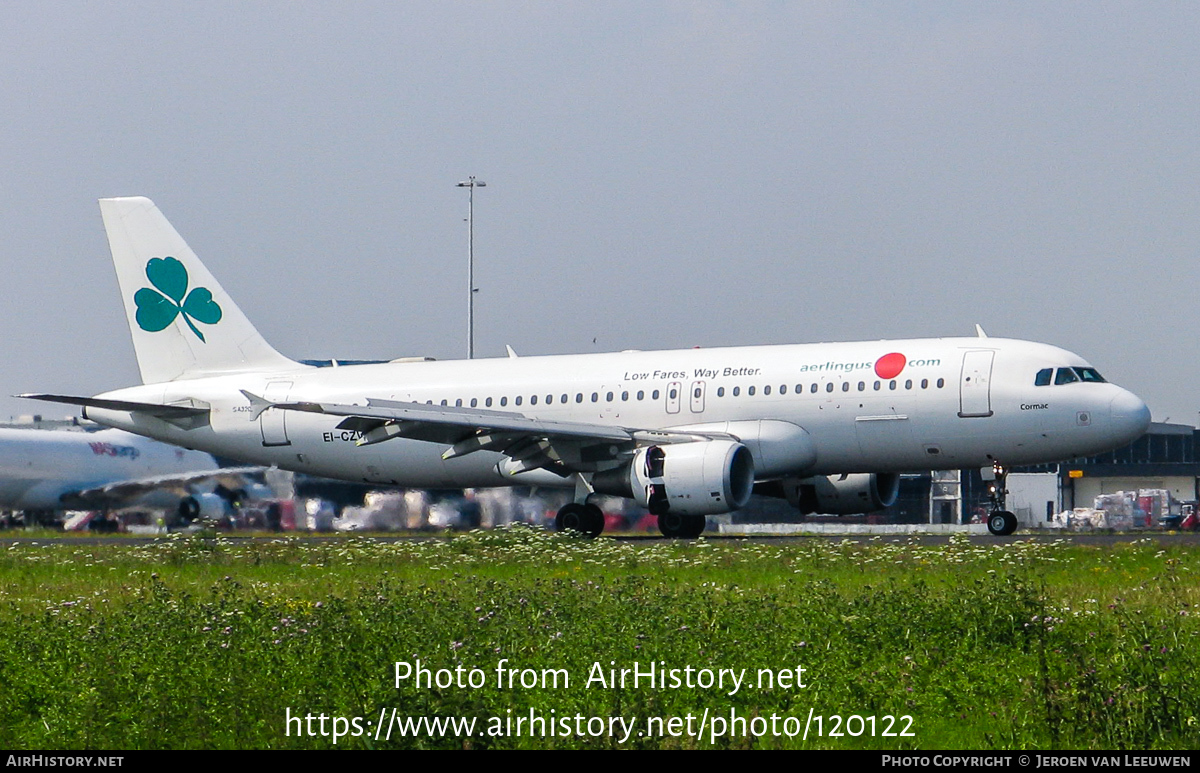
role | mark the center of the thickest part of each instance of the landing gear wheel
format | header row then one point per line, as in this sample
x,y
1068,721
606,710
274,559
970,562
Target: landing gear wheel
x,y
1002,523
681,526
593,520
588,519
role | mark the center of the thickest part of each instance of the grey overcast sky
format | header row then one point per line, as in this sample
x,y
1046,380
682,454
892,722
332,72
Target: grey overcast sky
x,y
659,175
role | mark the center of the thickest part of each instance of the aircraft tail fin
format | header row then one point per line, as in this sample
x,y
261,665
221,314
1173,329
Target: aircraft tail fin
x,y
182,322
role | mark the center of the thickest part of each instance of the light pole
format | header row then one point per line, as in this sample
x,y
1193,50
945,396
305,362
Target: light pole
x,y
471,184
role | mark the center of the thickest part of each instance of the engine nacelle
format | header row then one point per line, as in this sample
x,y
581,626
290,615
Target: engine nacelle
x,y
842,494
702,478
203,507
246,495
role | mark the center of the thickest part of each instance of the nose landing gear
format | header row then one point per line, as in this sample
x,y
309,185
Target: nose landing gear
x,y
1000,521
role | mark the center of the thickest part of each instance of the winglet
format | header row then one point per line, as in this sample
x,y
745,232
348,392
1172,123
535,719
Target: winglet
x,y
979,331
511,353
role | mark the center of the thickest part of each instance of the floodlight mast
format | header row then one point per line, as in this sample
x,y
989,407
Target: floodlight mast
x,y
471,184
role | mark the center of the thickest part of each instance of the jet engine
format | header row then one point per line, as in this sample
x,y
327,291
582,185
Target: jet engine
x,y
842,494
702,478
203,507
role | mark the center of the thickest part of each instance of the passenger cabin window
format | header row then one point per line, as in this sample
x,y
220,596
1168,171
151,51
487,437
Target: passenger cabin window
x,y
1043,377
1065,376
720,392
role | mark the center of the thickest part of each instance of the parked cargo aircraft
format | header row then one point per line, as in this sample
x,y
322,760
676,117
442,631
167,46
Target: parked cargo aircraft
x,y
685,433
44,470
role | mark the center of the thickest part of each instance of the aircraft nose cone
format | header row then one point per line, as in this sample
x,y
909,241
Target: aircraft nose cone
x,y
1130,416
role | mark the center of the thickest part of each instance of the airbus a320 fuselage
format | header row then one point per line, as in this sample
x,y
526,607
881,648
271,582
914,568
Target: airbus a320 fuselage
x,y
686,433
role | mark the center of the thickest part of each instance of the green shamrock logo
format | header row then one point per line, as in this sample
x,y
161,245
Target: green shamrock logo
x,y
157,310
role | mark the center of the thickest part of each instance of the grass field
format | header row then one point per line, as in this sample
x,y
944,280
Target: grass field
x,y
204,642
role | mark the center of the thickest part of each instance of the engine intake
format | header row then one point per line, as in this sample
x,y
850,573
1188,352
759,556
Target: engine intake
x,y
702,478
202,507
842,494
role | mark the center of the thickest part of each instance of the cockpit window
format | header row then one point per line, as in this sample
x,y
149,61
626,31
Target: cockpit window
x,y
1065,376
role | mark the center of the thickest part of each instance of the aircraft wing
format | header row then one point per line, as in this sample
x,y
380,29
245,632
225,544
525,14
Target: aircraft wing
x,y
562,447
117,493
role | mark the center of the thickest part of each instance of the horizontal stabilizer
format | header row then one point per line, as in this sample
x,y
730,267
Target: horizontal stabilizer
x,y
150,409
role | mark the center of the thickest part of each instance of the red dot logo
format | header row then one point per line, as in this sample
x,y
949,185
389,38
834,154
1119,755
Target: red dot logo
x,y
889,365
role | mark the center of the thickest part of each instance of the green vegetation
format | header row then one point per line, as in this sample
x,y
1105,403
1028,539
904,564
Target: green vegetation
x,y
204,642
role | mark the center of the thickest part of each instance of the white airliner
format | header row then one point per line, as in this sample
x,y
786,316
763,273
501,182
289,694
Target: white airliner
x,y
44,470
685,433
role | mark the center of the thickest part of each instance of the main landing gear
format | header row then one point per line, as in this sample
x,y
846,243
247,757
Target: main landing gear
x,y
587,519
1000,521
681,526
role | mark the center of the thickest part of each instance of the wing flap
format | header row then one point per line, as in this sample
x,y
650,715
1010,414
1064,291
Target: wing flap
x,y
562,447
